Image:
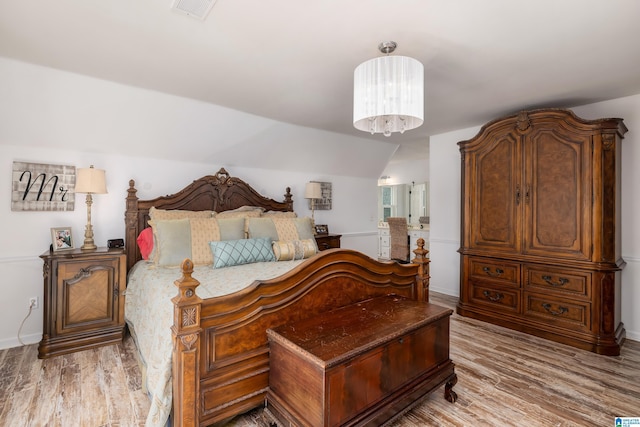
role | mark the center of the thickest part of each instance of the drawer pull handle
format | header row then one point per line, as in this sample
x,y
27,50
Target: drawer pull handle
x,y
562,310
498,296
401,340
562,281
498,272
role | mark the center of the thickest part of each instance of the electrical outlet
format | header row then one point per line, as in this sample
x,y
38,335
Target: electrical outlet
x,y
33,302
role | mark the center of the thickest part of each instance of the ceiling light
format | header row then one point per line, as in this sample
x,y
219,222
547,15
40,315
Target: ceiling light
x,y
194,8
388,93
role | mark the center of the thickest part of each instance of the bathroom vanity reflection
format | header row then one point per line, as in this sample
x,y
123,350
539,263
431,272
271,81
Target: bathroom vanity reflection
x,y
403,200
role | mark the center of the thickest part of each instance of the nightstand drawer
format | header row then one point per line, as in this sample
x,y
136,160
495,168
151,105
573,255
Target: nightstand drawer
x,y
327,241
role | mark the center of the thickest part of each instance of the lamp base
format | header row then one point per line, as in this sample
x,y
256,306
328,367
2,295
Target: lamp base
x,y
88,246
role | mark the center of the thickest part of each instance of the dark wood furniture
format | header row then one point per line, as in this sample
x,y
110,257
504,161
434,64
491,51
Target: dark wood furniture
x,y
541,227
363,364
83,300
220,351
328,241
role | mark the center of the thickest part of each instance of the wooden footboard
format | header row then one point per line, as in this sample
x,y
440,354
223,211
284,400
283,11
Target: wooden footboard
x,y
220,353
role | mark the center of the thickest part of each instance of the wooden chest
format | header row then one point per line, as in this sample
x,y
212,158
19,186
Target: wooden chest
x,y
359,365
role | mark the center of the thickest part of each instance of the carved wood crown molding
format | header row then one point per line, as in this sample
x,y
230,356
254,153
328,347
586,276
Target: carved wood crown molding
x,y
189,316
608,141
188,340
523,123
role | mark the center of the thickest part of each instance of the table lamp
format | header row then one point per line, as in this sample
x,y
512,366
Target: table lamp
x,y
90,181
313,191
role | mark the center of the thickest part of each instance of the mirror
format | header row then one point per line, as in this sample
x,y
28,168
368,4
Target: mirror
x,y
407,200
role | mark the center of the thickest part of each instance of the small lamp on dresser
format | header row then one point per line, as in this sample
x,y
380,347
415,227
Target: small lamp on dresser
x,y
90,181
313,192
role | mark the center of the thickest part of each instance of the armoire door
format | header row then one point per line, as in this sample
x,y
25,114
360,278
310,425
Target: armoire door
x,y
494,194
557,192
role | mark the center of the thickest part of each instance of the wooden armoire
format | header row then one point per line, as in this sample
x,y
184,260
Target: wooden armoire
x,y
540,230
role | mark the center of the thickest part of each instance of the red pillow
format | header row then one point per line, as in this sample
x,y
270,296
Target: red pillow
x,y
145,242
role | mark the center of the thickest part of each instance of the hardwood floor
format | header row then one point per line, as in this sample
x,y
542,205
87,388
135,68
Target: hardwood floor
x,y
504,378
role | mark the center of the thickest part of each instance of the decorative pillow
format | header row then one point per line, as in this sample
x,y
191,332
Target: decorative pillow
x,y
294,249
173,241
145,242
197,233
285,229
241,212
165,214
236,213
280,214
243,251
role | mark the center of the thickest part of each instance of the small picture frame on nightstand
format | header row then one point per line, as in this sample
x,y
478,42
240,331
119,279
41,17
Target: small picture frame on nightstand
x,y
61,238
322,229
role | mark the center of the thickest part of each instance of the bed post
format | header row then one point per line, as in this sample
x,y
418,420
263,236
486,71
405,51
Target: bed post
x,y
186,349
131,224
422,278
288,199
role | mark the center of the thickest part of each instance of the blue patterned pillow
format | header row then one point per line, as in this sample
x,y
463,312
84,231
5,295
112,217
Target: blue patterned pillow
x,y
227,253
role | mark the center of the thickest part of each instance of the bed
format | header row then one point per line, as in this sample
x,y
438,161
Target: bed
x,y
219,361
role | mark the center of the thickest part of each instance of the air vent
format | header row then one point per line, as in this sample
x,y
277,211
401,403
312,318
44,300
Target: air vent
x,y
195,8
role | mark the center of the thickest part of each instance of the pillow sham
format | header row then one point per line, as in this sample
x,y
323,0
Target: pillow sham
x,y
236,213
165,214
189,238
173,241
294,249
227,253
284,229
280,214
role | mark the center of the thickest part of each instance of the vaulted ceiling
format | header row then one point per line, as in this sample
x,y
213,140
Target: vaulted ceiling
x,y
293,60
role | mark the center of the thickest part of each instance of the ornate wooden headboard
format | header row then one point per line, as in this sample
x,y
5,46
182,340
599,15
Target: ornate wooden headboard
x,y
219,192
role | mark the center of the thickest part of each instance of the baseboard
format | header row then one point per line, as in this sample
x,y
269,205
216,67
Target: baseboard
x,y
26,339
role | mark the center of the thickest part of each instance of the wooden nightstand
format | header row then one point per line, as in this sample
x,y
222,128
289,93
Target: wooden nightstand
x,y
328,241
83,300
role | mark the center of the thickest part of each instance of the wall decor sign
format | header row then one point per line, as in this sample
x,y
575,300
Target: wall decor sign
x,y
324,203
42,187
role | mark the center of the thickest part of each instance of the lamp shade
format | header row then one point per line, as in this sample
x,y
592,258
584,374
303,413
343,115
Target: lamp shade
x,y
90,180
312,190
388,95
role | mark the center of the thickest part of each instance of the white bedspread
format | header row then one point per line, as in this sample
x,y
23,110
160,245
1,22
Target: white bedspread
x,y
149,314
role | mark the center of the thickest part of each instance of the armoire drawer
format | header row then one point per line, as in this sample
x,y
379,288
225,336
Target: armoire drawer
x,y
497,297
505,273
560,312
558,281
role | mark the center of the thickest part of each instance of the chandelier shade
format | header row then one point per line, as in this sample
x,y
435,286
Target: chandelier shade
x,y
388,95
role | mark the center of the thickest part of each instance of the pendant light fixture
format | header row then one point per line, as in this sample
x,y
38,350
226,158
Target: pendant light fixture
x,y
388,93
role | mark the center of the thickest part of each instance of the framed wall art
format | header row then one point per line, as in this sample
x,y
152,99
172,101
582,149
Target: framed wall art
x,y
324,203
42,187
61,238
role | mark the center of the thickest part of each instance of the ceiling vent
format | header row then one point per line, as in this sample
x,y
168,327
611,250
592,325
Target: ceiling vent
x,y
195,8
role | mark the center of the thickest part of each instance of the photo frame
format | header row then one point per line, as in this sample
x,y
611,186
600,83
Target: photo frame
x,y
61,238
322,229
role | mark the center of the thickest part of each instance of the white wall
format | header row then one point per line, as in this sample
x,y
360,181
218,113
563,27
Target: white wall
x,y
163,142
353,213
445,205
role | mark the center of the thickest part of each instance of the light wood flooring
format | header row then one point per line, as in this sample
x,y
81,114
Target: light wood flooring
x,y
505,378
